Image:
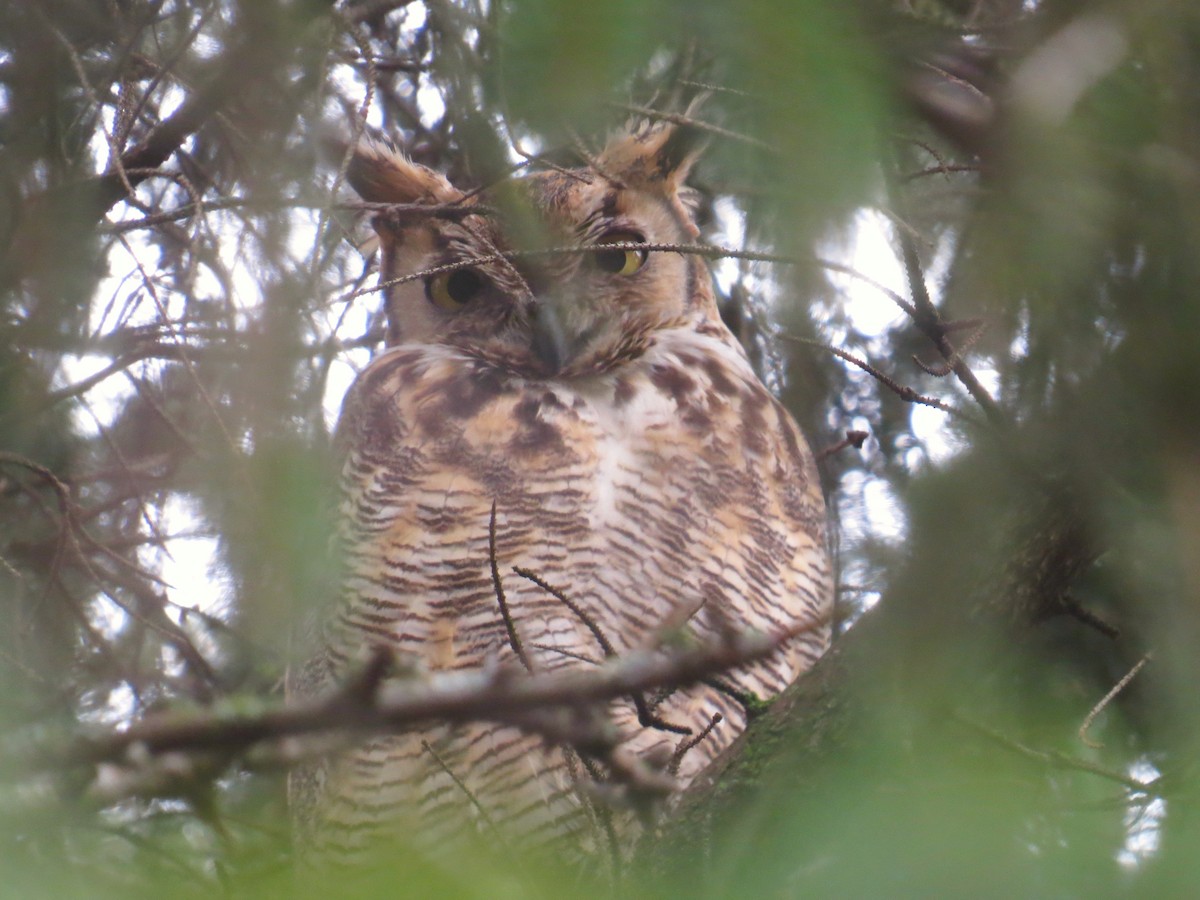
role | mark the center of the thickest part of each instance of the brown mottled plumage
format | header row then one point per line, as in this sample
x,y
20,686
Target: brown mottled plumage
x,y
634,459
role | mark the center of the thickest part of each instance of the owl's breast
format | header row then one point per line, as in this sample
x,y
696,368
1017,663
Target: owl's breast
x,y
670,488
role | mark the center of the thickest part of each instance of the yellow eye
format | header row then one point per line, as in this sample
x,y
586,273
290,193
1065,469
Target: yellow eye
x,y
451,291
620,262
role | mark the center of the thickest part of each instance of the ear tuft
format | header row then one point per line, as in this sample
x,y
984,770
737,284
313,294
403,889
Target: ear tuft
x,y
382,175
650,153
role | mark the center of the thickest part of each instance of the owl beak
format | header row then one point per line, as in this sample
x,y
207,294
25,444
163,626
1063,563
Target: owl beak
x,y
550,341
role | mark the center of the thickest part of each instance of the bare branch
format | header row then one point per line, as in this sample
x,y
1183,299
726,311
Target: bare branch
x,y
461,785
646,717
1108,698
905,393
698,124
514,638
1060,760
977,326
688,743
866,279
708,251
929,321
536,699
853,439
558,594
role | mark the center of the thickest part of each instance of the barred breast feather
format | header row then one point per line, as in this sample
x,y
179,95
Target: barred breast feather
x,y
674,491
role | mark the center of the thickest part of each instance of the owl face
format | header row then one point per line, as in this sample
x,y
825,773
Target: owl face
x,y
538,282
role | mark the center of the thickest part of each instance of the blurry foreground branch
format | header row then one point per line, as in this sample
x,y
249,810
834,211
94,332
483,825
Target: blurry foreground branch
x,y
562,707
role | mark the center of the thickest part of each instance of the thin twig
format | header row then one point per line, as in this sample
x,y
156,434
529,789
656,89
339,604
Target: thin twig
x,y
708,251
580,612
751,704
715,88
453,211
689,743
853,439
941,169
548,648
1107,699
929,322
698,124
978,326
1076,610
866,279
602,810
428,748
1059,760
904,392
514,639
646,717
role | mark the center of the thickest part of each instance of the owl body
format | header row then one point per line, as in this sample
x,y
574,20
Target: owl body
x,y
633,460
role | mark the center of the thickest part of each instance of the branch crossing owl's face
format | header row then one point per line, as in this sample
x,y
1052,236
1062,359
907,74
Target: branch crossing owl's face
x,y
537,282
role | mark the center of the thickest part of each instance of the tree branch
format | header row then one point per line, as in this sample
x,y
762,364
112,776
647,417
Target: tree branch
x,y
545,703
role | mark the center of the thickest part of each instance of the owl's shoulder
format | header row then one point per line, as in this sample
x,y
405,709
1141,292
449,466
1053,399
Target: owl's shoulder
x,y
416,392
731,421
716,392
421,411
693,381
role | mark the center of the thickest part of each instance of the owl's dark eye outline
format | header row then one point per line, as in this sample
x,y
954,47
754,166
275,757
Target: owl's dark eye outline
x,y
620,262
451,291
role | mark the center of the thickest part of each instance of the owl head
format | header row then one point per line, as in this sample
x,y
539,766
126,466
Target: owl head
x,y
532,276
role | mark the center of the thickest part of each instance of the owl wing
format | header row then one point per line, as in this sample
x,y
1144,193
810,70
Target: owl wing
x,y
430,438
716,524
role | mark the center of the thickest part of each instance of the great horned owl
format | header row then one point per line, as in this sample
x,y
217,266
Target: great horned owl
x,y
597,403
